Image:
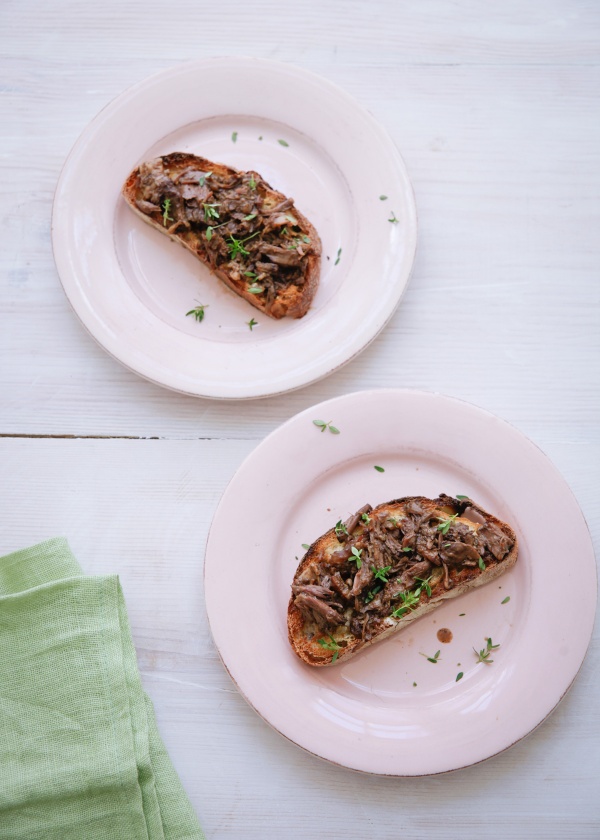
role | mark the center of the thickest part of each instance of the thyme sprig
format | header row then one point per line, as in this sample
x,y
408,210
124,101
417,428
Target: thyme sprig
x,y
323,425
198,312
236,246
410,602
424,584
435,658
330,644
381,574
484,654
340,528
356,556
166,211
210,212
445,524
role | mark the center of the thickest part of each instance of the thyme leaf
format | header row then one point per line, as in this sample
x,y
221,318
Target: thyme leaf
x,y
198,312
381,574
323,425
484,654
256,289
435,658
340,528
355,558
445,524
166,211
330,645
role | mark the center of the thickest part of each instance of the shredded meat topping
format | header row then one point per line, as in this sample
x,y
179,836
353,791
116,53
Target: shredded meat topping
x,y
385,563
264,247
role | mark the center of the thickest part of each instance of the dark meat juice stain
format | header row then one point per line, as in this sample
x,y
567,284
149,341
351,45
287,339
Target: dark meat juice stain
x,y
444,635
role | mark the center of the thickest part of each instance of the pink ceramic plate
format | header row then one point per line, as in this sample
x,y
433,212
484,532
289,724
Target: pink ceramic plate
x,y
389,710
131,287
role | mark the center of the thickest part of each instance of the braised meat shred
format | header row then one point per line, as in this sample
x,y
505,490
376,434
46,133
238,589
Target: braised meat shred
x,y
386,566
261,247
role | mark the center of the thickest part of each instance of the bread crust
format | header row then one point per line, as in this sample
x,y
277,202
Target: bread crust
x,y
293,300
303,634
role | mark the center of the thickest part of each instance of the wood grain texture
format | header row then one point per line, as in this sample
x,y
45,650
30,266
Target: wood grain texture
x,y
142,509
495,110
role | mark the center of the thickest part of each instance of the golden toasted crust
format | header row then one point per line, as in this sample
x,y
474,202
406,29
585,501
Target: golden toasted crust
x,y
293,300
303,635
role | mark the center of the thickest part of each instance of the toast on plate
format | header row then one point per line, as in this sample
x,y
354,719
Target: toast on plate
x,y
385,567
252,237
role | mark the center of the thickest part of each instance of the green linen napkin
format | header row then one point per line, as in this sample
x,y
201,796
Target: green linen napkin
x,y
80,754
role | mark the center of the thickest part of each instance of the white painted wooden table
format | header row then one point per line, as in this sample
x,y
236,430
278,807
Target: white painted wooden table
x,y
495,108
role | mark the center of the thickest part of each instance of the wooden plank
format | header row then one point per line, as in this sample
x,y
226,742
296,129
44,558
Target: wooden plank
x,y
505,167
142,509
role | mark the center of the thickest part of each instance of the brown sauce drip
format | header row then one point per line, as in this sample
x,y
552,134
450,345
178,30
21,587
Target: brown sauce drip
x,y
444,635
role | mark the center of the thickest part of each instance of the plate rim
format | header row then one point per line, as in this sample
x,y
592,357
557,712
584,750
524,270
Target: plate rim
x,y
205,388
542,458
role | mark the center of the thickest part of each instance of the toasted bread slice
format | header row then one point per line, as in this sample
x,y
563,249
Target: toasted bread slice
x,y
384,568
251,236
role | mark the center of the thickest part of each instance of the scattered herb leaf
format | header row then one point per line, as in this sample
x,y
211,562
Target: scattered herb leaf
x,y
256,289
434,658
236,246
506,600
166,211
379,469
393,219
481,564
355,558
198,312
252,274
283,143
306,239
305,546
323,425
252,183
330,645
210,212
445,524
483,655
424,584
372,593
234,136
459,676
365,518
252,323
340,528
209,233
381,574
249,217
383,197
410,601
203,178
339,254
458,496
